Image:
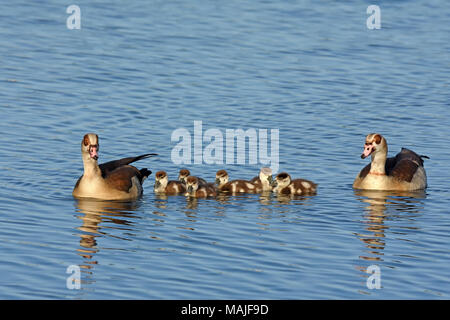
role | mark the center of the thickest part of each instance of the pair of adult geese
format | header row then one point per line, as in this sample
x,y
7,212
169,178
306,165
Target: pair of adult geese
x,y
118,180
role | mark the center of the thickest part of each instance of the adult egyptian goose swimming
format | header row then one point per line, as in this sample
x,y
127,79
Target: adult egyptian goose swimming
x,y
114,180
235,186
264,181
283,184
194,189
404,172
163,185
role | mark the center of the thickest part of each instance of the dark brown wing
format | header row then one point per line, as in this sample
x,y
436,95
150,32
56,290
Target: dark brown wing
x,y
404,170
405,165
120,178
365,171
390,164
110,166
78,182
406,154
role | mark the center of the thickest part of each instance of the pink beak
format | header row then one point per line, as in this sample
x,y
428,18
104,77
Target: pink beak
x,y
93,152
368,149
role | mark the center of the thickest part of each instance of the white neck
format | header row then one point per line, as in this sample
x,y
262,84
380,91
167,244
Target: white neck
x,y
91,168
164,182
223,181
379,162
265,182
284,184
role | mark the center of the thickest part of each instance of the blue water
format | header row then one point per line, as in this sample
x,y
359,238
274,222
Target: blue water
x,y
138,70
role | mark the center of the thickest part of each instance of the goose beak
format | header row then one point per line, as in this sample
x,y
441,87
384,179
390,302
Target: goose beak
x,y
368,149
217,181
93,152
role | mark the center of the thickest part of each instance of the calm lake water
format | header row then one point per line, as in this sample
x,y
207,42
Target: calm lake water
x,y
139,70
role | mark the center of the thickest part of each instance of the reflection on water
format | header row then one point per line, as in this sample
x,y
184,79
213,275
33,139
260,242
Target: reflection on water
x,y
379,212
94,213
381,206
264,198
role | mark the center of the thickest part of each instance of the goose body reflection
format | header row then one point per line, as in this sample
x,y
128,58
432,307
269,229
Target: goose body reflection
x,y
382,205
102,218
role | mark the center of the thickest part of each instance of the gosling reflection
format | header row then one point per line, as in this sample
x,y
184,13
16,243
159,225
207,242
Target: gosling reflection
x,y
288,198
265,198
191,203
380,205
94,213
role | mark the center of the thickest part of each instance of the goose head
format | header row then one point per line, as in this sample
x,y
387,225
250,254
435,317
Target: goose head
x,y
282,180
221,177
90,147
184,173
265,175
161,180
375,144
191,184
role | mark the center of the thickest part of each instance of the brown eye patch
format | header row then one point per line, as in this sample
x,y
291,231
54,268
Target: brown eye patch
x,y
86,140
377,139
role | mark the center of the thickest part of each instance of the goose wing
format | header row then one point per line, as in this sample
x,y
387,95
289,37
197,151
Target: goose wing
x,y
110,166
404,165
121,178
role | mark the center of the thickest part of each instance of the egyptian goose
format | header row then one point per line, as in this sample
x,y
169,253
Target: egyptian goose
x,y
194,189
404,172
184,173
235,186
114,180
284,185
264,181
163,185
